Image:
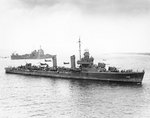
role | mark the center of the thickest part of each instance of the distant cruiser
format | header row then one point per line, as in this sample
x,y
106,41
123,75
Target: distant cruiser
x,y
33,55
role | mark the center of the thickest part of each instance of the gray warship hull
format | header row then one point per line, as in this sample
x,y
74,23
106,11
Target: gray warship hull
x,y
130,77
17,57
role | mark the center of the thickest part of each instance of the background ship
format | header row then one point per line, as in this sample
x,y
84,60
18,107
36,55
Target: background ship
x,y
36,54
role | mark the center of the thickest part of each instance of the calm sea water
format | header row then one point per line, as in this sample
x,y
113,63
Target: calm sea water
x,y
39,97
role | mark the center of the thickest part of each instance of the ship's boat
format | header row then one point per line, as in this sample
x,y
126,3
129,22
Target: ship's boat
x,y
47,60
87,70
66,62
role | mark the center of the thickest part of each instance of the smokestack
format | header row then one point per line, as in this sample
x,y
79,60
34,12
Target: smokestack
x,y
54,61
73,63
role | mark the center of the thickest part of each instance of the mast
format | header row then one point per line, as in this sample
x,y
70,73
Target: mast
x,y
79,48
39,52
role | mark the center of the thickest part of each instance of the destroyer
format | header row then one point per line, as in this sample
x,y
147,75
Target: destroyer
x,y
86,70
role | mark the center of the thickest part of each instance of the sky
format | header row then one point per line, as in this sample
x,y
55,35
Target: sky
x,y
104,26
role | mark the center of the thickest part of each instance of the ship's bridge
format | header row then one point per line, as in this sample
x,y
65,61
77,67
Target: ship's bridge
x,y
86,61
